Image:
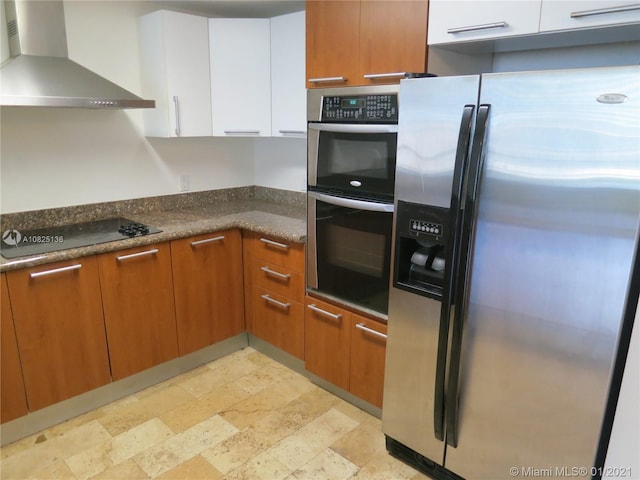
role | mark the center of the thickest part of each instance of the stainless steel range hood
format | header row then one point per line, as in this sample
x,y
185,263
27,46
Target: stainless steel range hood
x,y
40,72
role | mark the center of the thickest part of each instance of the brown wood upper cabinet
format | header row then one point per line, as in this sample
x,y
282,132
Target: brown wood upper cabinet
x,y
13,401
60,330
365,42
139,308
207,279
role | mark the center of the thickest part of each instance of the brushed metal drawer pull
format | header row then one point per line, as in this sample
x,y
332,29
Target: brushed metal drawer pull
x,y
242,132
55,270
268,271
327,79
474,28
139,254
335,316
207,240
293,132
276,302
364,328
603,11
373,76
274,244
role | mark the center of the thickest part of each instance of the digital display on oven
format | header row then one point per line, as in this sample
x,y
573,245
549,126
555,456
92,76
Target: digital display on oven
x,y
352,102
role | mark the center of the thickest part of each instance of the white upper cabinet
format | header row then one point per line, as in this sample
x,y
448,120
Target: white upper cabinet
x,y
240,76
174,58
568,14
470,20
288,93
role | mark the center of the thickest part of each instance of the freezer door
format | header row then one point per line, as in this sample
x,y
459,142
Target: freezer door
x,y
558,212
431,117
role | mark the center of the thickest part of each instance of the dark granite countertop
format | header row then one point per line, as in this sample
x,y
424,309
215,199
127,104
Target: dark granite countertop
x,y
262,211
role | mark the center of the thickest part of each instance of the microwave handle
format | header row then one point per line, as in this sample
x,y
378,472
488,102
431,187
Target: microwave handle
x,y
351,203
353,128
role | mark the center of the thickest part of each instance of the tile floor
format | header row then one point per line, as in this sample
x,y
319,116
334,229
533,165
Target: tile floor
x,y
243,416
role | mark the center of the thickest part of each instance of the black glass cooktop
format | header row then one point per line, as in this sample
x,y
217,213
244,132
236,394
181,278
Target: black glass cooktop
x,y
44,240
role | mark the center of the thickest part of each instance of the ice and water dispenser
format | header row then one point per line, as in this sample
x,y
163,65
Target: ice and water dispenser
x,y
421,248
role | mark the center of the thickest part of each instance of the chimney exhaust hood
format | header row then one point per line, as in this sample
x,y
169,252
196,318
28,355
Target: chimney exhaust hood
x,y
40,72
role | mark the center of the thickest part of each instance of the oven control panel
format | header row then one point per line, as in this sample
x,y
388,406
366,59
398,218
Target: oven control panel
x,y
381,108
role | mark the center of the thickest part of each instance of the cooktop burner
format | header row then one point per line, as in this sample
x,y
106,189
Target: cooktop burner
x,y
44,240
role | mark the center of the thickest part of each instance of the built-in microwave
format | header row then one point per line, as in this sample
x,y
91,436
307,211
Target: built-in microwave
x,y
352,141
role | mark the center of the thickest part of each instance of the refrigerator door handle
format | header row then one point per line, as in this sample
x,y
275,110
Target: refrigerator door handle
x,y
462,154
463,271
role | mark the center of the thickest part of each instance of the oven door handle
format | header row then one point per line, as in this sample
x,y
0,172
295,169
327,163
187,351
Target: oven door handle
x,y
353,128
351,203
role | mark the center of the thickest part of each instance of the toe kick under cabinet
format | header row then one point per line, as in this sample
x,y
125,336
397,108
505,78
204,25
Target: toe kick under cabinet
x,y
274,291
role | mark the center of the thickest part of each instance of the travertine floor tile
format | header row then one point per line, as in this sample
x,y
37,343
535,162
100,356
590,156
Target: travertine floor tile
x,y
57,471
308,406
220,372
24,463
328,465
385,467
300,447
253,408
128,470
132,414
196,468
184,446
190,413
262,467
122,447
361,444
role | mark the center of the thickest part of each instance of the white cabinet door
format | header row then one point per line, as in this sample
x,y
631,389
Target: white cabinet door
x,y
571,14
240,76
288,92
174,57
469,20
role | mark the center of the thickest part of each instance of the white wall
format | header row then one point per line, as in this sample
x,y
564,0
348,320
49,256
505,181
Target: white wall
x,y
53,157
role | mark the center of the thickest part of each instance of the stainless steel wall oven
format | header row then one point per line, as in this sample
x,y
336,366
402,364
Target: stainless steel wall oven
x,y
352,140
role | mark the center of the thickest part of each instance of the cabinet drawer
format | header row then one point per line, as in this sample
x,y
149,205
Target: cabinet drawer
x,y
279,321
279,280
327,341
277,251
368,347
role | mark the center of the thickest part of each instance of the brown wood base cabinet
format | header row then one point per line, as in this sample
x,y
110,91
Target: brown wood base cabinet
x,y
345,349
13,400
274,291
139,308
207,280
60,330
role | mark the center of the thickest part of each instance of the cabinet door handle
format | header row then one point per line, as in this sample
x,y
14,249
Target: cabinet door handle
x,y
207,240
364,328
242,132
327,79
384,75
603,11
56,270
293,132
268,271
335,316
473,28
276,302
274,244
176,105
139,254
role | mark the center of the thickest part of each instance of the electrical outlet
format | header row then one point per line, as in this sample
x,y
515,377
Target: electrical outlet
x,y
184,183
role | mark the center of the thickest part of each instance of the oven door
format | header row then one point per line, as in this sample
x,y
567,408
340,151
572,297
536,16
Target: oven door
x,y
359,160
349,251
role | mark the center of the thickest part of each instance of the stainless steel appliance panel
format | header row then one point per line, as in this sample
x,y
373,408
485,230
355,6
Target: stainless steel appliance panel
x,y
410,372
428,134
558,215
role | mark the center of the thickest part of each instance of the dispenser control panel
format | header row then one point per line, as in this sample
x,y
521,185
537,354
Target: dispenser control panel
x,y
420,226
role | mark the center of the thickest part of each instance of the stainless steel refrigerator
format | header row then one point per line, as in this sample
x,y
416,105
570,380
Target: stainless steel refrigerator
x,y
515,276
